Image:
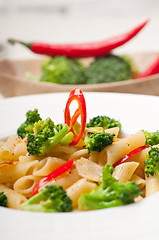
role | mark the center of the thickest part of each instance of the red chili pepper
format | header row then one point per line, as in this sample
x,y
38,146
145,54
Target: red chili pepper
x,y
77,95
56,173
93,49
152,69
130,154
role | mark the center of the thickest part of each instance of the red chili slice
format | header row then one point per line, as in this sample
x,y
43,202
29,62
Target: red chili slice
x,y
130,154
77,95
54,174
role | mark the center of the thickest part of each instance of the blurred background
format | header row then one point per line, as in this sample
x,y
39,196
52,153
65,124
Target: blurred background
x,y
76,21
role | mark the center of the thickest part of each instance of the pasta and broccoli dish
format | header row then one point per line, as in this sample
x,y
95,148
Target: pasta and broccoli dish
x,y
76,165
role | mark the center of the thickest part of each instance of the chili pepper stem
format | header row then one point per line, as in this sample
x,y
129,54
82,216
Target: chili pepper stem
x,y
14,41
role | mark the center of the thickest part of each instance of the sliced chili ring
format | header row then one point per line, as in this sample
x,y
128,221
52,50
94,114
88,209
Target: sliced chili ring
x,y
77,95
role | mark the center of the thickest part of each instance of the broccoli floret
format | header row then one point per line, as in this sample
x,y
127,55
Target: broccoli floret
x,y
44,127
50,199
98,141
103,121
152,162
110,193
63,70
151,138
44,137
3,199
27,126
110,68
59,127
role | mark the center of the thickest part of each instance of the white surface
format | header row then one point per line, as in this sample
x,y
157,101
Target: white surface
x,y
137,221
77,21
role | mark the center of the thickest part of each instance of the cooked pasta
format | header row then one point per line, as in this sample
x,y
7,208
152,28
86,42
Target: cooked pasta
x,y
14,198
76,161
20,172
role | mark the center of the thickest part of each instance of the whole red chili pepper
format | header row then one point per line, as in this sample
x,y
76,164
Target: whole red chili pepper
x,y
152,69
54,174
93,49
76,94
130,154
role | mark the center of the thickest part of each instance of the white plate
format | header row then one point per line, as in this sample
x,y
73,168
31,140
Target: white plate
x,y
135,221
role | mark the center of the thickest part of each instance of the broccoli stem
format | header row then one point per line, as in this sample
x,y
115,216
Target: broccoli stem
x,y
53,141
86,202
32,208
32,203
67,139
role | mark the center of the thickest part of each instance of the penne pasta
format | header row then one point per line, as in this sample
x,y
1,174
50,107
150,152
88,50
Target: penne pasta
x,y
124,171
47,165
139,181
152,185
119,149
81,186
7,149
14,198
13,172
80,153
25,185
89,170
67,180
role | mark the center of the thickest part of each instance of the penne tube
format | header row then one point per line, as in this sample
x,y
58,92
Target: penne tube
x,y
152,185
11,173
67,179
7,149
14,198
124,171
139,198
78,188
119,149
25,185
63,152
47,165
24,159
139,181
80,153
94,156
89,170
20,150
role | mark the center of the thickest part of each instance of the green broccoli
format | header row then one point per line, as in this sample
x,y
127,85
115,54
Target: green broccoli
x,y
152,162
3,199
67,139
44,137
98,141
110,68
152,138
103,121
110,193
27,126
52,198
63,70
58,127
